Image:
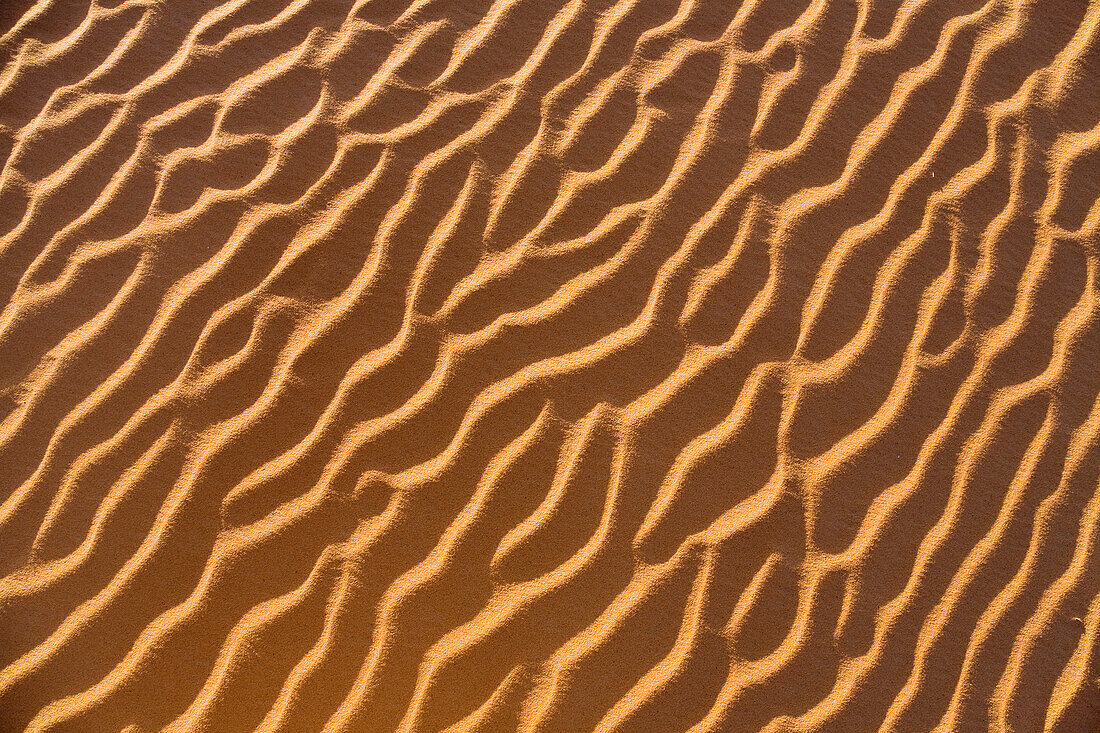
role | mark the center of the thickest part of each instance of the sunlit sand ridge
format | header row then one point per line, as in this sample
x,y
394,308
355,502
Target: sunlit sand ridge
x,y
550,365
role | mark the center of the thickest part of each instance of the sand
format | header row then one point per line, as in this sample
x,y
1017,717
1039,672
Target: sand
x,y
550,365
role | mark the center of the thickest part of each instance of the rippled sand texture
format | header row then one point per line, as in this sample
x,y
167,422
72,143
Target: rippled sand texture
x,y
551,365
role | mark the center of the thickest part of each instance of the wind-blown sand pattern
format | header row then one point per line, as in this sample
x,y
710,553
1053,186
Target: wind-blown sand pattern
x,y
550,365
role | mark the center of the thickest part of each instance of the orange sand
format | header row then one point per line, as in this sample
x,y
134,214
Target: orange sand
x,y
550,365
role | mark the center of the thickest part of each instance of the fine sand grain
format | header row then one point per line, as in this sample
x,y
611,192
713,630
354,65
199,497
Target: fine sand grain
x,y
549,365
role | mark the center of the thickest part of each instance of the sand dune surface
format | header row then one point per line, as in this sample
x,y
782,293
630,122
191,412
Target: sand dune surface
x,y
549,365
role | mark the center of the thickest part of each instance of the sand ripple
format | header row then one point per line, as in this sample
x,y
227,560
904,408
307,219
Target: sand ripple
x,y
550,365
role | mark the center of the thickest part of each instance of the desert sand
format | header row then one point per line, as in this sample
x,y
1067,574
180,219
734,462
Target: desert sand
x,y
549,365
